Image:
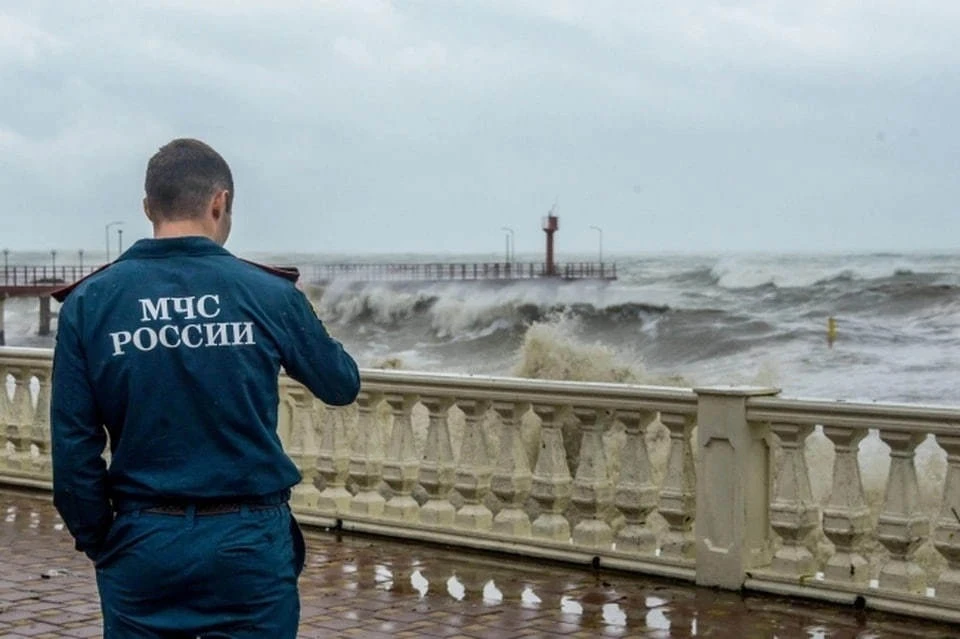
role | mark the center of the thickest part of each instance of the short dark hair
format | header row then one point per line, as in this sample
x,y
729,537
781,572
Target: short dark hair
x,y
181,178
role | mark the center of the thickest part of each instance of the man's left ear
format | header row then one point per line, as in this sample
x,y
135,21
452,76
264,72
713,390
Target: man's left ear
x,y
220,204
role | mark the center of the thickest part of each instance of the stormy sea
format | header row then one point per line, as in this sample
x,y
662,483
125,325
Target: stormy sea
x,y
668,319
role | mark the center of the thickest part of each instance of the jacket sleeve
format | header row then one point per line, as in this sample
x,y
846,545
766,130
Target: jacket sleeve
x,y
315,359
78,439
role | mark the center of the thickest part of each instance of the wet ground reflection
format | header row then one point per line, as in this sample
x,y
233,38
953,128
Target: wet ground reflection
x,y
497,597
369,587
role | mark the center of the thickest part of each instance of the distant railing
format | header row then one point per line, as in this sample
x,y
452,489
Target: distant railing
x,y
42,276
32,277
708,485
441,272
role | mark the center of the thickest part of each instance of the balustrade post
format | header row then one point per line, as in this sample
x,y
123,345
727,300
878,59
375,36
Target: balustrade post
x,y
947,535
678,503
793,513
733,487
552,485
333,462
474,470
902,528
401,466
512,479
592,489
846,518
366,457
636,494
437,467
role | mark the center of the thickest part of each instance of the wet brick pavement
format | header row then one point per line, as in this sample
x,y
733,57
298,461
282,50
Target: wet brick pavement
x,y
368,587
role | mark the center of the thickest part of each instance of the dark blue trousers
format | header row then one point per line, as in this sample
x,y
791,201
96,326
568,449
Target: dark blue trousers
x,y
221,576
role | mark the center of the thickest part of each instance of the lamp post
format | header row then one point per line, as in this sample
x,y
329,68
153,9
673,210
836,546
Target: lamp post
x,y
119,242
80,255
599,241
106,237
509,239
53,261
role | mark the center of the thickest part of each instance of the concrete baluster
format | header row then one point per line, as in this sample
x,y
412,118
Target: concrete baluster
x,y
512,479
902,528
333,462
401,466
793,513
40,430
366,457
592,489
474,470
947,535
21,420
6,414
636,494
678,494
437,467
846,518
552,485
302,446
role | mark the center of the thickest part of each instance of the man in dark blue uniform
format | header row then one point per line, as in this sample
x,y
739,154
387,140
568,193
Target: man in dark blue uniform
x,y
174,352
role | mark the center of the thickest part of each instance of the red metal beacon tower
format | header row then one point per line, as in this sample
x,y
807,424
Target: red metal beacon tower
x,y
551,224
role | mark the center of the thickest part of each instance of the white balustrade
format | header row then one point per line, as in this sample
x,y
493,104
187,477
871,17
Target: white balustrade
x,y
386,465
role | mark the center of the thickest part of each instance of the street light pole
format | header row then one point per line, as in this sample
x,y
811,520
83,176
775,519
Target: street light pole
x,y
106,237
119,242
599,241
509,238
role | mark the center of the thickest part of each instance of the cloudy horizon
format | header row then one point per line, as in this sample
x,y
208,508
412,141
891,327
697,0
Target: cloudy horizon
x,y
426,127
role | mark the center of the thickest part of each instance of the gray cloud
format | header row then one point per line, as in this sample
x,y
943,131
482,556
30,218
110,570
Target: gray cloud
x,y
426,126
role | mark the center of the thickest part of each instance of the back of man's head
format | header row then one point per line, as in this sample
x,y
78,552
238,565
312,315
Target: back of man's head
x,y
182,177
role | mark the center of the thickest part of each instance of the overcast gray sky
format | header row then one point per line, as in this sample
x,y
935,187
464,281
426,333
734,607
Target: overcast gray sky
x,y
423,126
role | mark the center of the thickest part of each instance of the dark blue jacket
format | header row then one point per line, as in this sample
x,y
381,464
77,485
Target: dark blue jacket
x,y
175,349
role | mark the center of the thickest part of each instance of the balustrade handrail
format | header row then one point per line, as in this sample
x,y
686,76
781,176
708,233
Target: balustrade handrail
x,y
939,420
599,394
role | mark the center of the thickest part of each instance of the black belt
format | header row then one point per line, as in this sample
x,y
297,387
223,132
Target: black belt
x,y
209,506
202,510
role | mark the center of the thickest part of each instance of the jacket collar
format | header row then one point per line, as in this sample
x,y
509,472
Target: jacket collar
x,y
188,246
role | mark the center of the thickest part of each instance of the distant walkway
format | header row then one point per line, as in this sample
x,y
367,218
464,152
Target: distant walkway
x,y
19,280
371,588
460,272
